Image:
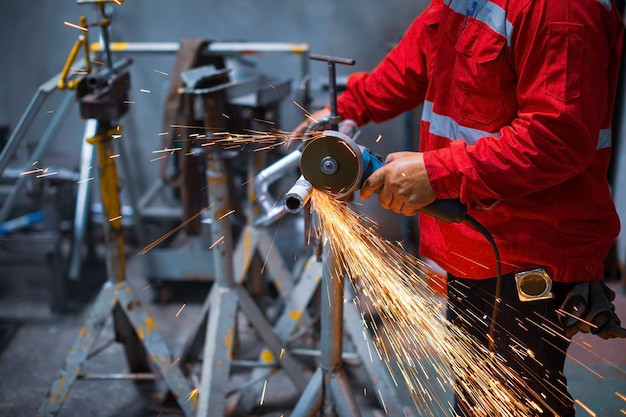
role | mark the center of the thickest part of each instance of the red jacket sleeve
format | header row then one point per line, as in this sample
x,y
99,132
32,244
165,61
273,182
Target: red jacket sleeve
x,y
399,81
566,57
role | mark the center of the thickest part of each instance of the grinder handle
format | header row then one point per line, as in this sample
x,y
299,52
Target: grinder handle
x,y
449,211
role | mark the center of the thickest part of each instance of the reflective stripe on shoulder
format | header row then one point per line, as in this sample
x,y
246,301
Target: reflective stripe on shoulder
x,y
487,12
447,127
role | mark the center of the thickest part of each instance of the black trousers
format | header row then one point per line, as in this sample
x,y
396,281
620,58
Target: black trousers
x,y
519,326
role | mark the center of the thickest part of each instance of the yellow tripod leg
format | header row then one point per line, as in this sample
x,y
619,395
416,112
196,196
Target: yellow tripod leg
x,y
109,193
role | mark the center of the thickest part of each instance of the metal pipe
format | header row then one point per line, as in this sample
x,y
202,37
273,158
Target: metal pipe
x,y
39,151
81,214
271,209
297,196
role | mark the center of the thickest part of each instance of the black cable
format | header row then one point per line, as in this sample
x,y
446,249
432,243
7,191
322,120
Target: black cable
x,y
494,313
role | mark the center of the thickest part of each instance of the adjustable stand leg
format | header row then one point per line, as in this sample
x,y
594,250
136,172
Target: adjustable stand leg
x,y
333,387
116,294
227,298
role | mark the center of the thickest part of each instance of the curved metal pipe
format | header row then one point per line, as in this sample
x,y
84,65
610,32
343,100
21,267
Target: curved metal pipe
x,y
297,196
271,209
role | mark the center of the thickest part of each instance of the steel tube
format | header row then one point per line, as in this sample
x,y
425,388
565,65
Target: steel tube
x,y
267,176
298,195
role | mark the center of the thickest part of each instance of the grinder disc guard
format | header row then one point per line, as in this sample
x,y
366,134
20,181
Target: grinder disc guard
x,y
332,163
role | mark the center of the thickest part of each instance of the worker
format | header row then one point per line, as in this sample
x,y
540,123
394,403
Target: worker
x,y
517,98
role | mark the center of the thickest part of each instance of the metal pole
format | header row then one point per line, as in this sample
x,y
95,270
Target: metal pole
x,y
38,153
81,214
22,125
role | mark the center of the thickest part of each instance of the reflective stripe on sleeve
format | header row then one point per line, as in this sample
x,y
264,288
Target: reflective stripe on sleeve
x,y
447,127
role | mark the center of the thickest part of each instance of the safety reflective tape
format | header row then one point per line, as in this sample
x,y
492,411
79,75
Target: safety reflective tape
x,y
606,139
447,127
487,12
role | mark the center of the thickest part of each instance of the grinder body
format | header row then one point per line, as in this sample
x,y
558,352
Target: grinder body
x,y
336,164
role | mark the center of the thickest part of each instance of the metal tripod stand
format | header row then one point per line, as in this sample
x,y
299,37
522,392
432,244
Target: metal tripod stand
x,y
103,96
329,391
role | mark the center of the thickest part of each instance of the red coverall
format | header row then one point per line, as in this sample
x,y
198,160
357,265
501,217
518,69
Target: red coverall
x,y
517,101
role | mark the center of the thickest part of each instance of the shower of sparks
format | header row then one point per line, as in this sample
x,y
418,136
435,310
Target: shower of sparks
x,y
75,26
379,138
263,394
192,394
180,310
171,232
34,171
85,180
261,140
143,90
160,72
216,242
414,335
169,150
158,158
47,174
227,214
587,409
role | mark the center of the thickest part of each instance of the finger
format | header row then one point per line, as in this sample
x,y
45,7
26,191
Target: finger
x,y
396,205
385,198
396,155
373,183
392,156
408,211
301,128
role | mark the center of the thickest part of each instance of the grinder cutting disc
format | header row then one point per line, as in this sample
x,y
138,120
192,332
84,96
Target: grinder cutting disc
x,y
332,163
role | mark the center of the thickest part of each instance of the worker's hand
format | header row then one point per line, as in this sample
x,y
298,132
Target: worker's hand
x,y
316,117
589,308
298,135
402,182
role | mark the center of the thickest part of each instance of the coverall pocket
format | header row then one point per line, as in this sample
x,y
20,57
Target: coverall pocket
x,y
477,73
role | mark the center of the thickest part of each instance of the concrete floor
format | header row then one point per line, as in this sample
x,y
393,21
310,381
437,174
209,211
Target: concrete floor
x,y
36,342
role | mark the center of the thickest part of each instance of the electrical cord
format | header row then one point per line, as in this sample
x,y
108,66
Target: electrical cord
x,y
494,313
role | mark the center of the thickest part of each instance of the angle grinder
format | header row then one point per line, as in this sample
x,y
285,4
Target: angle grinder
x,y
336,164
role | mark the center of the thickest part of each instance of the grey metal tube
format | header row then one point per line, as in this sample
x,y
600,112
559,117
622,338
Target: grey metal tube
x,y
81,215
298,195
39,151
271,209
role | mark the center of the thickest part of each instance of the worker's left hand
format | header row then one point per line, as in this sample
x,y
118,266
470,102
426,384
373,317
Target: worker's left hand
x,y
589,308
402,182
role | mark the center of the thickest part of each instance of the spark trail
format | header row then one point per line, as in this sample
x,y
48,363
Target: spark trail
x,y
429,352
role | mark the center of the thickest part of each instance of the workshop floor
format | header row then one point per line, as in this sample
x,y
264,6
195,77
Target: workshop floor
x,y
34,344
